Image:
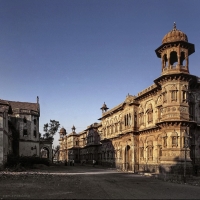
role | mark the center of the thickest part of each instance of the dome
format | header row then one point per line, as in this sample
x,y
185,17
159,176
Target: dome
x,y
175,35
62,131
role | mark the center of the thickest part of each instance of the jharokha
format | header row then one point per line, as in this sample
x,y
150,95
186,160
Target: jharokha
x,y
157,131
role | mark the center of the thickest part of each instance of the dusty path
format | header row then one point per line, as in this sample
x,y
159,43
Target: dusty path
x,y
86,182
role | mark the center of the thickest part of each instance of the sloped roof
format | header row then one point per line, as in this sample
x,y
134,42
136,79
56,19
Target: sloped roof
x,y
24,105
21,105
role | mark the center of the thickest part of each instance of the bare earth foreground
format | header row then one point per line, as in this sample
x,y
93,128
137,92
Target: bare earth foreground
x,y
87,182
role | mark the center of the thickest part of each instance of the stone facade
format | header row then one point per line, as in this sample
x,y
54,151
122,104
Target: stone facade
x,y
157,130
19,130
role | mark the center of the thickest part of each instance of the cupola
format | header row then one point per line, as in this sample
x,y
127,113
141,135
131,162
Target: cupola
x,y
104,108
174,52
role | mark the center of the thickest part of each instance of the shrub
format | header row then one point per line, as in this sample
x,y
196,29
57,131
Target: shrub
x,y
25,161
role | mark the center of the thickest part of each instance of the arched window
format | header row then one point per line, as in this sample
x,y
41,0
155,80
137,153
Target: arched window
x,y
174,137
115,127
160,151
165,61
150,113
173,58
160,112
173,91
141,152
165,140
164,93
182,59
184,93
141,116
112,129
135,119
124,120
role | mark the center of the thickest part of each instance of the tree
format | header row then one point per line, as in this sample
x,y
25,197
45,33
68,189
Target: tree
x,y
51,128
55,152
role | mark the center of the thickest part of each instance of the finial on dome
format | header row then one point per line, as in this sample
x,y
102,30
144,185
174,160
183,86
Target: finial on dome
x,y
174,26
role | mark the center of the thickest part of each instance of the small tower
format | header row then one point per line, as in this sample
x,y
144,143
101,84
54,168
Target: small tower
x,y
174,52
104,108
62,132
73,129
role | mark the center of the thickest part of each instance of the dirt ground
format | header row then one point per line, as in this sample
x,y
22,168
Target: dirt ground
x,y
87,182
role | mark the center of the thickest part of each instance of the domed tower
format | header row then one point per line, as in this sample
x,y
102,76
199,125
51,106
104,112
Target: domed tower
x,y
62,132
175,78
174,52
173,104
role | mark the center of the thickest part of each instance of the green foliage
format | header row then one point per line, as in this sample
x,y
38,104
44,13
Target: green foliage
x,y
25,161
51,128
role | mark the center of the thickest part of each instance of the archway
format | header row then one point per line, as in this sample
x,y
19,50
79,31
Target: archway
x,y
173,58
127,158
44,152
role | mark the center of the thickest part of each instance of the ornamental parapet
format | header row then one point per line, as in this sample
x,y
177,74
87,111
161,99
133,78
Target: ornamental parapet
x,y
116,108
147,89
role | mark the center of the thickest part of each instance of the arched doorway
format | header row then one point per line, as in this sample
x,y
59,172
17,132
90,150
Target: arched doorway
x,y
128,158
44,152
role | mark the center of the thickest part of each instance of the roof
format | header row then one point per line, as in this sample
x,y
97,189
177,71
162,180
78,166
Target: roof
x,y
21,105
24,105
175,35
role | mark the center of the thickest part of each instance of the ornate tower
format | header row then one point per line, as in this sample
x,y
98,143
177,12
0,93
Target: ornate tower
x,y
174,52
174,111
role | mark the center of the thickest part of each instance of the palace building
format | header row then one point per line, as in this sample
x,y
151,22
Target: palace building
x,y
158,130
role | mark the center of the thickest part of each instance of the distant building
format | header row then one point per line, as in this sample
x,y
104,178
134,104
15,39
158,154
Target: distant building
x,y
19,130
158,130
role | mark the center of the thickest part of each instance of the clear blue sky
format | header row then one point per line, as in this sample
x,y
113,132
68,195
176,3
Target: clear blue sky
x,y
77,54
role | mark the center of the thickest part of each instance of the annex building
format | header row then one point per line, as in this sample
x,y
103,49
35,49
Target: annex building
x,y
158,130
19,131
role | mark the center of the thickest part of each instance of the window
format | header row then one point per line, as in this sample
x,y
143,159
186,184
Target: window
x,y
160,112
174,141
165,61
160,151
165,141
184,96
150,113
24,120
141,118
150,153
35,133
182,59
150,116
164,97
35,121
164,94
141,152
173,58
135,119
111,129
25,133
116,127
174,95
125,120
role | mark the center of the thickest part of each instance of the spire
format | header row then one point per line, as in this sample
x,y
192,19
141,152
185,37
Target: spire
x,y
73,129
174,26
104,108
37,99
